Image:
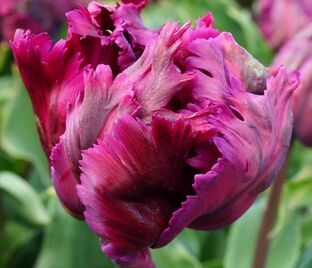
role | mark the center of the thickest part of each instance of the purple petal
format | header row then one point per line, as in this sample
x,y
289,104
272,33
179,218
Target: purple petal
x,y
53,78
138,3
156,77
116,36
253,147
64,181
138,174
100,104
223,64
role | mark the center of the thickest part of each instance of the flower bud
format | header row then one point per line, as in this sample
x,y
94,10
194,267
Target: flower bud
x,y
296,55
280,20
36,15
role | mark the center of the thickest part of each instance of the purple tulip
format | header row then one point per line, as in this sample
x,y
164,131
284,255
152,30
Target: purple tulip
x,y
297,55
36,15
153,131
280,20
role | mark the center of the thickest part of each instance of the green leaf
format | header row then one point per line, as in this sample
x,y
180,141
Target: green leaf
x,y
175,254
5,57
192,240
285,249
213,264
6,83
69,243
19,136
300,158
253,41
306,258
307,225
299,193
242,238
214,245
26,197
19,244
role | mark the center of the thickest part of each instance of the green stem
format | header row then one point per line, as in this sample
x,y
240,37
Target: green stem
x,y
264,240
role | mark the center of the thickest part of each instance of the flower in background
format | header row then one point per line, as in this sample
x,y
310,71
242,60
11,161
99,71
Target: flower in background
x,y
280,20
36,15
152,131
297,55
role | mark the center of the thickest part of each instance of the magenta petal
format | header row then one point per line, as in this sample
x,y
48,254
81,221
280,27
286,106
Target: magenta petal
x,y
116,36
139,3
156,77
53,79
138,174
223,64
253,148
98,106
64,181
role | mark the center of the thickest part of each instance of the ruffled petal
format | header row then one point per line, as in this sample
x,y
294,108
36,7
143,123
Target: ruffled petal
x,y
116,36
203,30
223,64
155,76
53,78
64,181
253,142
138,174
98,106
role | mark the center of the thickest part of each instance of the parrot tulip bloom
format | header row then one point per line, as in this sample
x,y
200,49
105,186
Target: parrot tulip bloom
x,y
36,15
150,132
280,20
296,55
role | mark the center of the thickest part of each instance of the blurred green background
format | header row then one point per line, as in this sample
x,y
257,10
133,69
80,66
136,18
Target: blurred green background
x,y
35,231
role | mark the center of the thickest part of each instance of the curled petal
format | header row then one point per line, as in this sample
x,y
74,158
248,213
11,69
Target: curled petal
x,y
204,30
116,36
150,162
98,106
64,180
253,144
156,77
223,64
53,78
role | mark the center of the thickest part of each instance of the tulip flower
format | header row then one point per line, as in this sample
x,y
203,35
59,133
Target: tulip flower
x,y
280,20
37,15
152,131
296,55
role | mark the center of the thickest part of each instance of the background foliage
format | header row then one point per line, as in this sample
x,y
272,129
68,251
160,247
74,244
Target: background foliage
x,y
35,231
